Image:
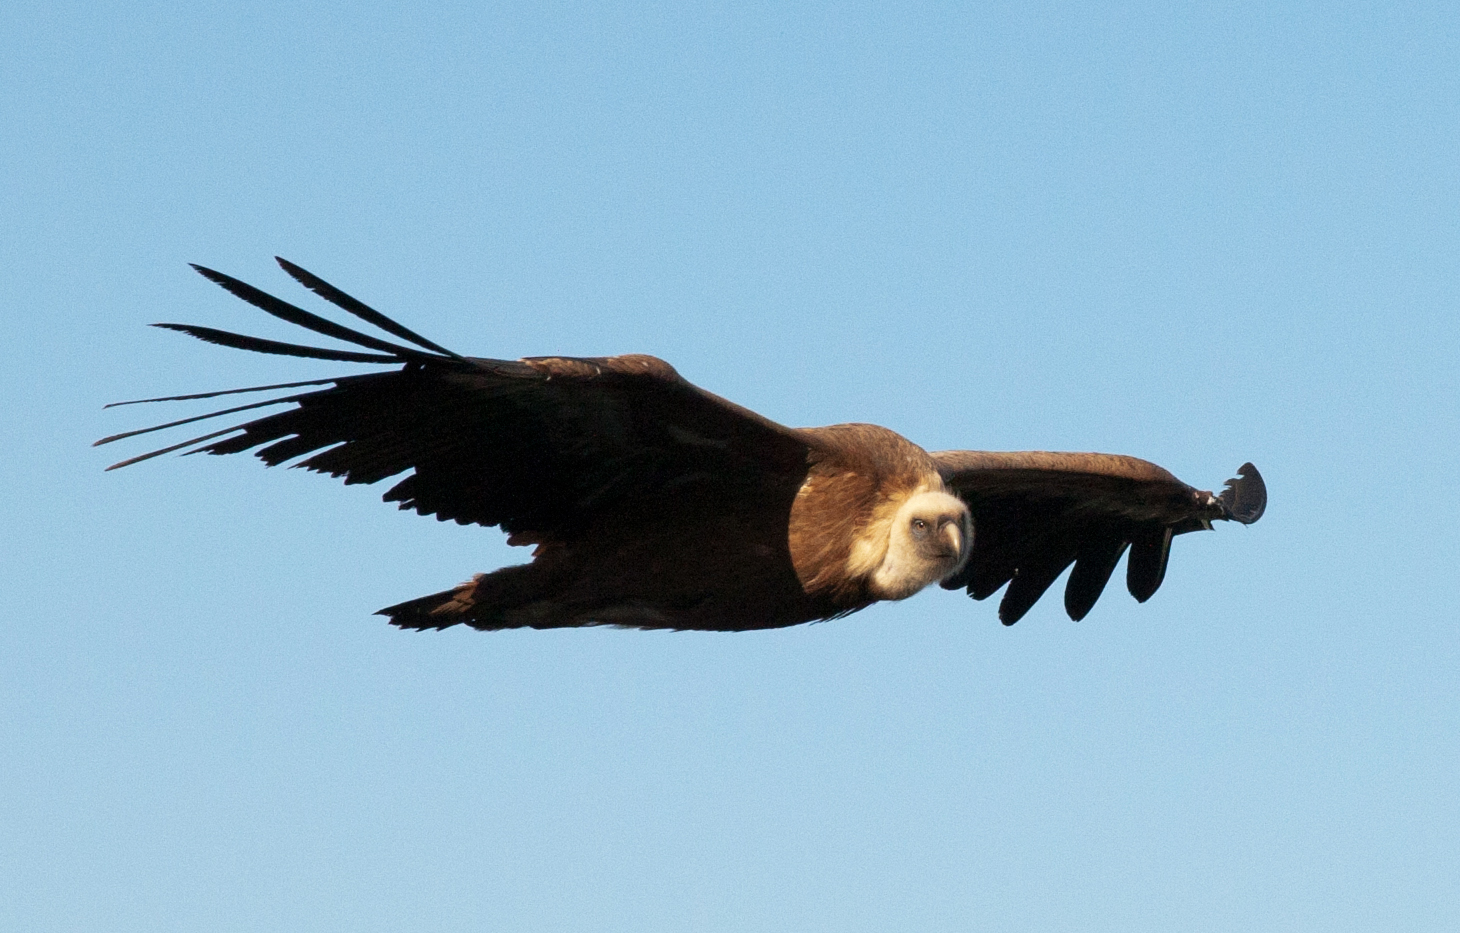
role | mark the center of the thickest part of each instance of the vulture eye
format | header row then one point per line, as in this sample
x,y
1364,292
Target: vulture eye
x,y
919,527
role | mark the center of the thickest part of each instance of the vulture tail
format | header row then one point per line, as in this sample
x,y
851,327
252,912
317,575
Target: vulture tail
x,y
434,612
513,597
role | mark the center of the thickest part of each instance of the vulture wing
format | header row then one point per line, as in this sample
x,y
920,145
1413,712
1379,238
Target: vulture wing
x,y
1036,512
536,446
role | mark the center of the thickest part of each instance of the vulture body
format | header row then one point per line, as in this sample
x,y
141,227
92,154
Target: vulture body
x,y
652,503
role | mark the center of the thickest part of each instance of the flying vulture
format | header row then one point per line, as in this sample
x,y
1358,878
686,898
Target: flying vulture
x,y
651,503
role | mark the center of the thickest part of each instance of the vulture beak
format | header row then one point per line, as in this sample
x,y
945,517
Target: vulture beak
x,y
953,532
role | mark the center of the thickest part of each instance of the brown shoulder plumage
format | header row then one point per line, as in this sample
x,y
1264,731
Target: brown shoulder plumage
x,y
859,474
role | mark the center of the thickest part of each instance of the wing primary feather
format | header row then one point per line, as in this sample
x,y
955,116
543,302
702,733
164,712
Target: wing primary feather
x,y
1147,565
298,316
359,308
1093,567
167,450
1030,582
200,395
259,345
211,414
984,582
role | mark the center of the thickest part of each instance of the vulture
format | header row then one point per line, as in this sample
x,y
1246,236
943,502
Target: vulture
x,y
652,503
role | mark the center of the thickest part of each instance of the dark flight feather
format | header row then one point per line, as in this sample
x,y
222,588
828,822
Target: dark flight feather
x,y
1098,555
169,449
201,395
259,345
1036,512
1033,576
205,417
358,308
298,316
1145,570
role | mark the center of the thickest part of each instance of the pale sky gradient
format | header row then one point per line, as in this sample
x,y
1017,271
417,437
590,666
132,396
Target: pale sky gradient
x,y
1199,236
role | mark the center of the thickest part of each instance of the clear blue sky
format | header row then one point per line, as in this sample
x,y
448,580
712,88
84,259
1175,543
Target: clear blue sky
x,y
1198,236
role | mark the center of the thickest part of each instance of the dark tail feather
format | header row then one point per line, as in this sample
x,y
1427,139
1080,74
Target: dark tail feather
x,y
434,612
359,308
294,315
513,597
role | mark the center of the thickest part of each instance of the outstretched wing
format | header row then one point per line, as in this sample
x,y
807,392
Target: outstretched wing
x,y
536,446
1036,512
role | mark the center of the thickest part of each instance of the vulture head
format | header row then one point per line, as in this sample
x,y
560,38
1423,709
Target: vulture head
x,y
930,539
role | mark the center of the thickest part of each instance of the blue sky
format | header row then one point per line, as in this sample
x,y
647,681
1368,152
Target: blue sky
x,y
1199,236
